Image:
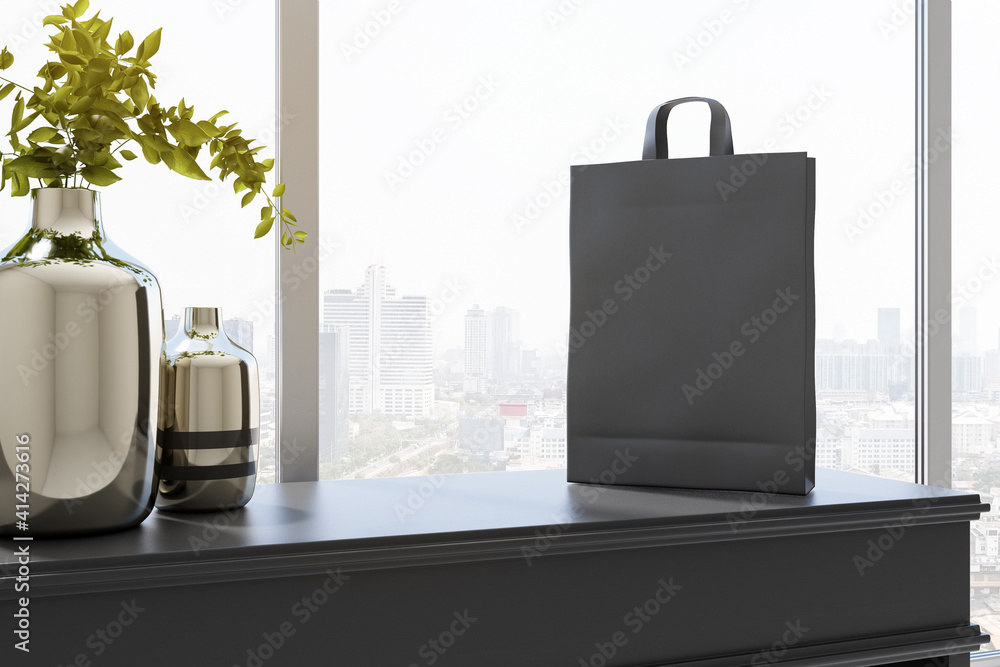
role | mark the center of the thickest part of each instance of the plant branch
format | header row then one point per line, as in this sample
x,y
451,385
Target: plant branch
x,y
16,84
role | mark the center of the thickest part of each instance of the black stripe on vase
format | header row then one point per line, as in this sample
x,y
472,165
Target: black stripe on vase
x,y
208,439
202,473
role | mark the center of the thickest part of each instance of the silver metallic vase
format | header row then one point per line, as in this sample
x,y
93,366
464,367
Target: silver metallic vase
x,y
80,339
210,418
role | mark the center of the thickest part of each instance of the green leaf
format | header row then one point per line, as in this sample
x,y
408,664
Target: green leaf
x,y
279,190
217,116
139,94
32,167
247,198
21,186
85,43
43,134
301,236
26,122
181,161
187,133
150,153
128,155
100,175
81,7
149,46
267,164
6,58
102,32
124,43
208,128
285,213
81,105
18,113
5,91
263,228
72,59
54,19
266,212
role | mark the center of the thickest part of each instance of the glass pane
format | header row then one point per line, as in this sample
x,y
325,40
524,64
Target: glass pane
x,y
975,376
447,136
192,234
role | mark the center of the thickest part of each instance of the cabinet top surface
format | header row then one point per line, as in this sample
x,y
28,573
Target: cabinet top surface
x,y
476,509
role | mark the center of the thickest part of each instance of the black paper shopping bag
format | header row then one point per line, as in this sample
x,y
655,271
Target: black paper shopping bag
x,y
692,318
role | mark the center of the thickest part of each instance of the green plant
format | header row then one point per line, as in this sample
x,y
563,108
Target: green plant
x,y
95,99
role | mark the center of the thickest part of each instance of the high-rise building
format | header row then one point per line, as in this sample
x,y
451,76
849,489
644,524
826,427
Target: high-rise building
x,y
476,351
240,331
966,373
888,327
503,344
271,364
334,393
968,335
390,365
848,365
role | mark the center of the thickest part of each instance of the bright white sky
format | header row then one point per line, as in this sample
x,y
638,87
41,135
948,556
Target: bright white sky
x,y
555,86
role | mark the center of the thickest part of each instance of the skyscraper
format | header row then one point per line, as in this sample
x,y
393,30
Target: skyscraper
x,y
240,331
888,327
968,334
334,393
504,344
476,351
390,347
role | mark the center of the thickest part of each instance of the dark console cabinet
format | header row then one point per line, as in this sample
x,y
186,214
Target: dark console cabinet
x,y
517,569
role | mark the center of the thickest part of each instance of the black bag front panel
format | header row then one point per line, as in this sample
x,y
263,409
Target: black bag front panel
x,y
692,323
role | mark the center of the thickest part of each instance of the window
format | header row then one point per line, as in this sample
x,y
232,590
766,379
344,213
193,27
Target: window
x,y
447,131
174,225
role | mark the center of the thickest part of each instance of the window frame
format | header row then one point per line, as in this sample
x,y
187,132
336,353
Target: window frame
x,y
297,280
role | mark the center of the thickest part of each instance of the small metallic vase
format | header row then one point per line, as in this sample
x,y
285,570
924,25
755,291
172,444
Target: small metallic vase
x,y
81,334
209,418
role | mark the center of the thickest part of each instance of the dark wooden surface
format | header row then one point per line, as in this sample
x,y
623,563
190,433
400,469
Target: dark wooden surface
x,y
549,570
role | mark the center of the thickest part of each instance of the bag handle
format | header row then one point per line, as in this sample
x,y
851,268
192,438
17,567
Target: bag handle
x,y
720,132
